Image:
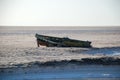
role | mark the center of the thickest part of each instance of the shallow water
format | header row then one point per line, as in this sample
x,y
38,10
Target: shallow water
x,y
72,72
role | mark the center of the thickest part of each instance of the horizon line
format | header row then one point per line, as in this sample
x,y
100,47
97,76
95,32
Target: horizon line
x,y
58,26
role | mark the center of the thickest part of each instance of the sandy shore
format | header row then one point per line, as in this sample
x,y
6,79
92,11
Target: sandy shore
x,y
13,56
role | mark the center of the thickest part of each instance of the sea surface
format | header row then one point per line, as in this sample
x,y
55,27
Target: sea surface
x,y
18,44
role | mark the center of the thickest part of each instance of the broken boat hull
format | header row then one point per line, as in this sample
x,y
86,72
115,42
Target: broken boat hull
x,y
50,41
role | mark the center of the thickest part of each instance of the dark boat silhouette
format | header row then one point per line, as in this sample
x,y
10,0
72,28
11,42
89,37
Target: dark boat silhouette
x,y
51,41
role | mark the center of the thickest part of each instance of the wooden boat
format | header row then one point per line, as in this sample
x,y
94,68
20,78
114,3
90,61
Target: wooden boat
x,y
51,41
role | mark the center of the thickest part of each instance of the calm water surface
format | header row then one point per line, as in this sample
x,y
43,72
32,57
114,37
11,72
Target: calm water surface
x,y
83,72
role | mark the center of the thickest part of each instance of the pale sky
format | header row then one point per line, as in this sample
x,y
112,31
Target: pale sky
x,y
59,12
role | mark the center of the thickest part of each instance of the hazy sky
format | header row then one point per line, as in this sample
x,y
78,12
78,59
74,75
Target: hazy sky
x,y
59,12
